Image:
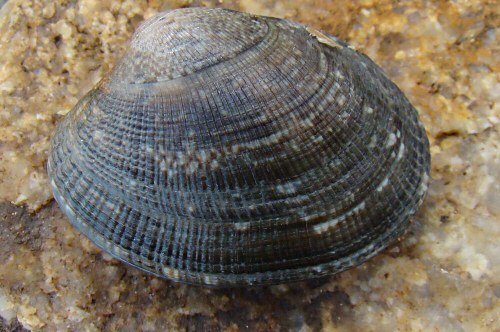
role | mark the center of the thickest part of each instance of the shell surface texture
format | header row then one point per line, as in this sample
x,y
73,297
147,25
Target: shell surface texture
x,y
229,149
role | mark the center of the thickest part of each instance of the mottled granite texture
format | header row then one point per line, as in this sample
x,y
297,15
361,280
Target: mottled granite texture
x,y
444,275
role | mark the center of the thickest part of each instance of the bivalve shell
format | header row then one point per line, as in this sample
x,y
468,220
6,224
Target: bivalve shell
x,y
231,149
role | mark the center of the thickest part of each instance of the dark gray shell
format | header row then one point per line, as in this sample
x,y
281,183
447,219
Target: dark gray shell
x,y
231,149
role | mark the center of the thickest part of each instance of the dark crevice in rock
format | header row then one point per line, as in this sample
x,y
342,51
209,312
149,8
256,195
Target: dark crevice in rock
x,y
18,227
13,326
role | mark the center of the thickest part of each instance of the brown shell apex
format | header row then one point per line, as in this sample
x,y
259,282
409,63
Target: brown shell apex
x,y
231,149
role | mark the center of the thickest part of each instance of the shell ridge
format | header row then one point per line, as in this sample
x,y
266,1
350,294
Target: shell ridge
x,y
101,242
213,64
97,175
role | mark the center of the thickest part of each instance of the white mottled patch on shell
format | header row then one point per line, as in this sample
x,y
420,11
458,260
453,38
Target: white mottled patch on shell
x,y
163,165
97,135
330,98
180,157
274,138
424,184
318,139
323,227
110,205
401,152
391,140
382,184
327,225
117,251
193,166
287,188
202,155
307,123
367,109
339,75
310,217
373,141
209,280
318,268
359,207
241,226
341,100
235,148
170,272
214,164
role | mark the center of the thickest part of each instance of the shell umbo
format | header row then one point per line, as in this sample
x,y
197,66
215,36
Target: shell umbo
x,y
231,149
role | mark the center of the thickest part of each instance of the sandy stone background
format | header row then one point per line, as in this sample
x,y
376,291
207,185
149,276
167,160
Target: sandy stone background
x,y
444,276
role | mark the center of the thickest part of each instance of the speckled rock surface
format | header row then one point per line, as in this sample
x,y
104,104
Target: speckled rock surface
x,y
444,275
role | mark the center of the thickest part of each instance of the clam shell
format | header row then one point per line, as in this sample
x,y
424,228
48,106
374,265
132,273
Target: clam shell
x,y
231,149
